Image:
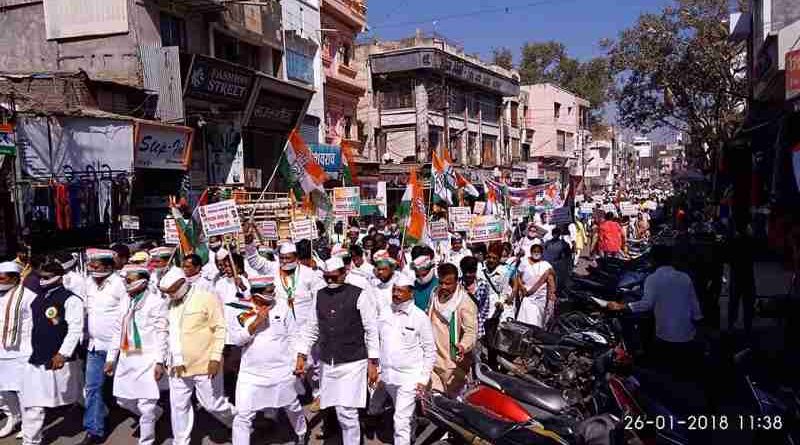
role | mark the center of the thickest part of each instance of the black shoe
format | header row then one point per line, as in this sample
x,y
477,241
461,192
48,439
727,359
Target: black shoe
x,y
91,439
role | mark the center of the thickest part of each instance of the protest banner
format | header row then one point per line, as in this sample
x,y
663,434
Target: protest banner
x,y
437,231
561,215
651,205
480,207
628,208
220,218
268,230
484,229
459,218
587,208
303,229
171,232
346,201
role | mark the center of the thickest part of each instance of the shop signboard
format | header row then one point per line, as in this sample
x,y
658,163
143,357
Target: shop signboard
x,y
171,232
276,112
220,218
8,144
163,147
130,222
532,170
346,201
329,157
437,231
215,80
459,218
303,229
793,74
485,228
268,230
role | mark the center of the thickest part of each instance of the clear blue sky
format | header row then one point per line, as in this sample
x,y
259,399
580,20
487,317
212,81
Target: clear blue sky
x,y
579,24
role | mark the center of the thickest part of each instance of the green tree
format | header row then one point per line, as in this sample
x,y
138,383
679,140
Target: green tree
x,y
677,69
503,57
549,62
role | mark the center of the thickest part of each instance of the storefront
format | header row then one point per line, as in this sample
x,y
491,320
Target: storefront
x,y
8,153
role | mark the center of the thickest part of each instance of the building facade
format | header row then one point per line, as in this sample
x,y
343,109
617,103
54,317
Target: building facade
x,y
425,95
342,21
559,121
207,73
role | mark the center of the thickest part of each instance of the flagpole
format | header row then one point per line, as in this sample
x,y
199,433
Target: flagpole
x,y
271,178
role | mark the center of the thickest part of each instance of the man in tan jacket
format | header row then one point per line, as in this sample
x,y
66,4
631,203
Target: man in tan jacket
x,y
454,318
196,340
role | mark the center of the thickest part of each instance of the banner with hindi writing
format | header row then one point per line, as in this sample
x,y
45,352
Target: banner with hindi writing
x,y
437,231
346,201
329,157
485,228
220,218
459,218
303,229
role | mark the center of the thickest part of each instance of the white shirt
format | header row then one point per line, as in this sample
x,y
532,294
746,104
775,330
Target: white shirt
x,y
104,306
310,331
152,322
408,351
531,273
670,294
264,354
75,283
23,346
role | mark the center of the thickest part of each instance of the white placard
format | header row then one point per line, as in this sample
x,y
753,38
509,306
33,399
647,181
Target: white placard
x,y
628,209
129,222
480,207
437,231
171,232
268,230
532,170
518,213
220,218
303,229
587,208
485,228
459,218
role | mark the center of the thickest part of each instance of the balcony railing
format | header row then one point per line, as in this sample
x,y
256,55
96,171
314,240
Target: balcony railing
x,y
201,5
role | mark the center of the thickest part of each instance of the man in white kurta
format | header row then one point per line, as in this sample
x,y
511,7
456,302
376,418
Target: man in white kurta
x,y
266,380
15,344
408,353
231,288
383,280
53,374
142,350
106,301
344,324
457,251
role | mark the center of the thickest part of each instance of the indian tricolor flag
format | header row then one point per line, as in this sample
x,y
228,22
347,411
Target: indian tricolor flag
x,y
348,164
413,203
300,168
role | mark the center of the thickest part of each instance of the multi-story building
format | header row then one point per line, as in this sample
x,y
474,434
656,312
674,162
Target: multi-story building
x,y
342,21
425,95
559,121
302,38
206,78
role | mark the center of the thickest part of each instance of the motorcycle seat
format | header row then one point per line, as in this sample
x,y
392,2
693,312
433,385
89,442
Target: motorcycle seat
x,y
546,398
486,426
586,282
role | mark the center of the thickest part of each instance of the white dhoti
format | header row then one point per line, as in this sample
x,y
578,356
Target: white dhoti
x,y
51,388
254,394
134,378
149,412
404,399
344,386
531,310
211,395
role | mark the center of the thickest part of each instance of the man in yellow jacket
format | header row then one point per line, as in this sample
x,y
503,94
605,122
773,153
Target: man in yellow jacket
x,y
196,339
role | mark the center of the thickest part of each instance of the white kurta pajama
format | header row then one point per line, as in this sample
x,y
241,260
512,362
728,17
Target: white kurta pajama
x,y
15,347
266,378
135,386
408,353
532,307
344,385
44,388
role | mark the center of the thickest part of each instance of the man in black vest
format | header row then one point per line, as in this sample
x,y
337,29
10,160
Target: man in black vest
x,y
53,374
344,325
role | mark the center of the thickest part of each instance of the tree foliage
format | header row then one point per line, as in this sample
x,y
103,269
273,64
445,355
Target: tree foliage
x,y
677,69
549,62
502,57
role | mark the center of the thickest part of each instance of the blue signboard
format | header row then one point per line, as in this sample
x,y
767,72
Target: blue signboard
x,y
329,158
